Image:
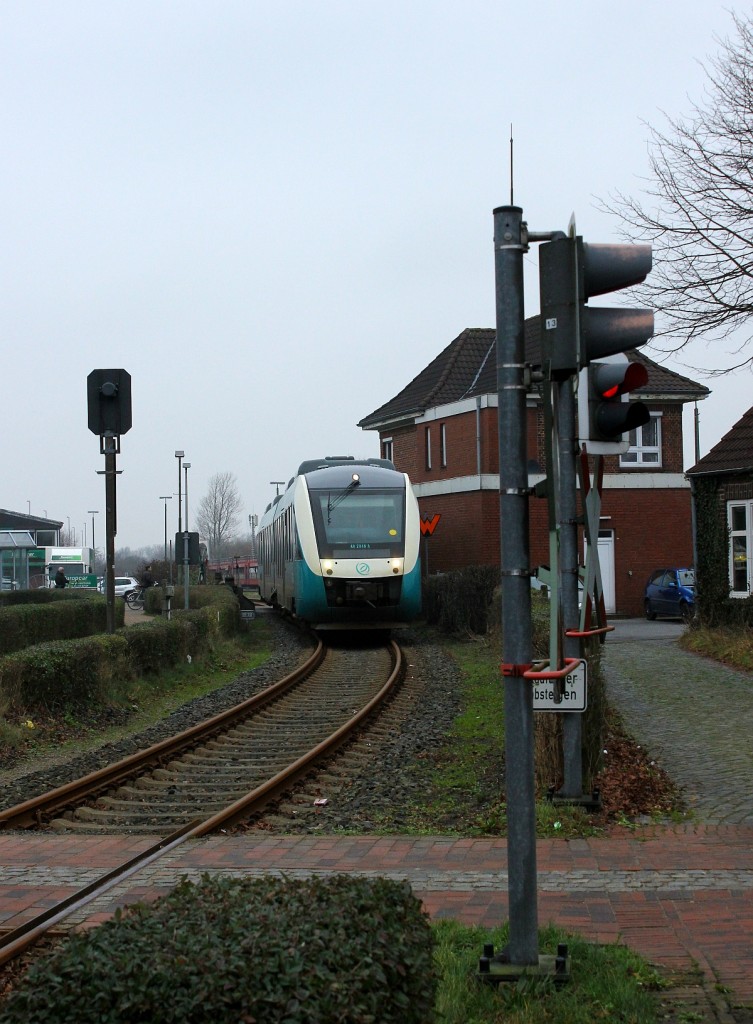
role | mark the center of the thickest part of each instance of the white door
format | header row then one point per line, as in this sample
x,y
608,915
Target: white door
x,y
606,564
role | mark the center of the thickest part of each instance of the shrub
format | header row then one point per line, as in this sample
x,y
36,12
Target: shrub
x,y
257,949
64,672
39,618
460,601
156,645
218,603
68,673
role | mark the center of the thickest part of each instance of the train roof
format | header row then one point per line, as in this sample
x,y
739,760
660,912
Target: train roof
x,y
339,470
342,460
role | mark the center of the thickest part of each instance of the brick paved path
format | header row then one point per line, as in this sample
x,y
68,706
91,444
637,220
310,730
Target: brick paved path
x,y
679,896
694,715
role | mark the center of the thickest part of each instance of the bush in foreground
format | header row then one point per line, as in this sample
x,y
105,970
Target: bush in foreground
x,y
261,949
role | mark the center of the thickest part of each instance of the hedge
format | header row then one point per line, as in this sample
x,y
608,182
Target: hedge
x,y
460,601
265,949
97,669
36,616
220,602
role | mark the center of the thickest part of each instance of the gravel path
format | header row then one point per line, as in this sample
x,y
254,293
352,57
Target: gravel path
x,y
694,715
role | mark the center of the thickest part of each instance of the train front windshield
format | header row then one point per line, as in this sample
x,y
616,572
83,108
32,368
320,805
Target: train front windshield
x,y
357,521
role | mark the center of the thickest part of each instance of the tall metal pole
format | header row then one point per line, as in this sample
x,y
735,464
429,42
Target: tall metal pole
x,y
111,528
165,498
572,728
179,456
94,512
186,570
186,467
510,244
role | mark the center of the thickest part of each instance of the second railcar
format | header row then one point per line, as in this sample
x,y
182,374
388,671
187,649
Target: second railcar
x,y
340,547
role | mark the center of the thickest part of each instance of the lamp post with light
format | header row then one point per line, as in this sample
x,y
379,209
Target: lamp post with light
x,y
166,498
186,467
186,560
93,512
179,456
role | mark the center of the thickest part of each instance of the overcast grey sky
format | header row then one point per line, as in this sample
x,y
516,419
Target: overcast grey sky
x,y
274,215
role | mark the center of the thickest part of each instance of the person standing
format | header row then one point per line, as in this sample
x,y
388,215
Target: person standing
x,y
61,580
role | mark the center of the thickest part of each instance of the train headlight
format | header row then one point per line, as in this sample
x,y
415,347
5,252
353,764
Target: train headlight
x,y
396,564
328,567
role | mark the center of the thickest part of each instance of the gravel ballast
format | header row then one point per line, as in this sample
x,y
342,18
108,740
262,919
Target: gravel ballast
x,y
428,703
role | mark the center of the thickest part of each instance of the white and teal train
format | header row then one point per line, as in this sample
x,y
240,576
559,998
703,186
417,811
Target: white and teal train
x,y
340,547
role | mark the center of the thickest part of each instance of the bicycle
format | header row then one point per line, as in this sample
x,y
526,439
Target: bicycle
x,y
135,598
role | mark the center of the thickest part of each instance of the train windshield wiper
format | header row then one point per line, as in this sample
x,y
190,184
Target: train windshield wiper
x,y
340,497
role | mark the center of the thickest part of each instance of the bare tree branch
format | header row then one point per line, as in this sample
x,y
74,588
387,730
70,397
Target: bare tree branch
x,y
218,512
697,210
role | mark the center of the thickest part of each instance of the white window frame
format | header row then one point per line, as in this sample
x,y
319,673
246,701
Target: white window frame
x,y
747,534
427,442
387,448
443,445
640,455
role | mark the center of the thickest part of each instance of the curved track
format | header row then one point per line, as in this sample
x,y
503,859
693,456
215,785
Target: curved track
x,y
217,773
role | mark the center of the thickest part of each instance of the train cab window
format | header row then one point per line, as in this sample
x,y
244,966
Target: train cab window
x,y
363,520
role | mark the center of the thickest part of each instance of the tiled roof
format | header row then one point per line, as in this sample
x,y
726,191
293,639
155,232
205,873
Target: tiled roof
x,y
733,452
468,368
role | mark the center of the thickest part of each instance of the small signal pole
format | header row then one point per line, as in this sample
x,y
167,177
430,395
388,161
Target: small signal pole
x,y
109,407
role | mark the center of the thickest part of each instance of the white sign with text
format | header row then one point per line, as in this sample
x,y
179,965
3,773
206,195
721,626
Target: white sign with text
x,y
574,698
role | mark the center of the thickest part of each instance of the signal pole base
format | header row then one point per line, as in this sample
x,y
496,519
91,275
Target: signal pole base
x,y
495,970
588,801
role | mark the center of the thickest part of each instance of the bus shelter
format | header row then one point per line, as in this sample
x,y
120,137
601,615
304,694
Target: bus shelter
x,y
15,550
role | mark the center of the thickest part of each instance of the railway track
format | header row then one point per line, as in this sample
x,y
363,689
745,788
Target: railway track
x,y
216,774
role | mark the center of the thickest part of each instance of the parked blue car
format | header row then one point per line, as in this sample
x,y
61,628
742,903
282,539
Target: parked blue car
x,y
670,592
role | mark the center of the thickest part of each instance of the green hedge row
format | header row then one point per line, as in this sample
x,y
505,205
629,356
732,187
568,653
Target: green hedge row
x,y
70,673
35,616
264,949
460,601
220,601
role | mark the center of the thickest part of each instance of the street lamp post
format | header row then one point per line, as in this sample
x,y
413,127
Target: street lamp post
x,y
186,467
165,498
179,456
186,570
93,512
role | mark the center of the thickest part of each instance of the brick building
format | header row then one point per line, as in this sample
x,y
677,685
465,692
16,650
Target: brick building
x,y
441,429
726,473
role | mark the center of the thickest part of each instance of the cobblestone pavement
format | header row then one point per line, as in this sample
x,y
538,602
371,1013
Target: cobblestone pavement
x,y
694,716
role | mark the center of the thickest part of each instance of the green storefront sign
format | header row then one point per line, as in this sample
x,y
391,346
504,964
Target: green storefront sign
x,y
86,582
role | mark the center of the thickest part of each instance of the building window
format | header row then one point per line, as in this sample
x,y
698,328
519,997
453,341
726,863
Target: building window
x,y
387,448
427,442
740,522
645,445
443,445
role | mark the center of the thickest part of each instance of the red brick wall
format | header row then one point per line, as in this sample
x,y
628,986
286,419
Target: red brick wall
x,y
652,529
652,526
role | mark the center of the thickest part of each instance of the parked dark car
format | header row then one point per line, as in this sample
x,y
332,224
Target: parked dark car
x,y
670,592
